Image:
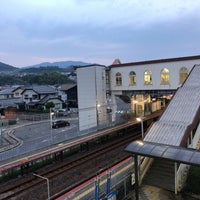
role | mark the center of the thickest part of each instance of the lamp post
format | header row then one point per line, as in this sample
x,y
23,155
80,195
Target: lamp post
x,y
1,138
48,188
142,128
51,115
97,110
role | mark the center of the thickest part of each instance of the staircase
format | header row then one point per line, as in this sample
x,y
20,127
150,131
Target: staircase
x,y
161,174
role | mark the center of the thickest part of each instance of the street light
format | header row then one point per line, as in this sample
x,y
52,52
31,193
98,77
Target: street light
x,y
97,110
48,188
142,128
51,115
1,136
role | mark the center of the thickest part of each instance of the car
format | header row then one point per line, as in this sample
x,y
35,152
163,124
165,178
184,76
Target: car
x,y
62,112
60,123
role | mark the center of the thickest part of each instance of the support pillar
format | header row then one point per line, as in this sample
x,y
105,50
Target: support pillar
x,y
136,177
176,181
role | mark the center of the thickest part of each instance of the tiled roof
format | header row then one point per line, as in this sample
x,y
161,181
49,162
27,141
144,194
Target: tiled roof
x,y
67,86
10,102
181,115
47,98
42,89
6,91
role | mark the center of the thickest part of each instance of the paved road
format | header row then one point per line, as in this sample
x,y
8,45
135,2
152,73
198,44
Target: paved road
x,y
38,135
40,131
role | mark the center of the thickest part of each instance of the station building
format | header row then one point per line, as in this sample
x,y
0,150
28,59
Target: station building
x,y
136,88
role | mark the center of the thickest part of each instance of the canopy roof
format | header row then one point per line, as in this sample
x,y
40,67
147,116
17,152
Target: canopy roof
x,y
169,152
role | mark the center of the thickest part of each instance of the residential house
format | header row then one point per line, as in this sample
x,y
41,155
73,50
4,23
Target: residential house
x,y
37,96
7,98
6,93
71,91
58,102
17,91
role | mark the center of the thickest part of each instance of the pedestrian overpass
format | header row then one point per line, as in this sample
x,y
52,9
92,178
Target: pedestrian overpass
x,y
170,145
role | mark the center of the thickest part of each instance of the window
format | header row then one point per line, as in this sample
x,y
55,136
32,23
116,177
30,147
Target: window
x,y
118,79
164,76
35,96
132,78
26,96
147,77
183,74
107,78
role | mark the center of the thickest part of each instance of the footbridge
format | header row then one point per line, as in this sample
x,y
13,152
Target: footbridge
x,y
171,144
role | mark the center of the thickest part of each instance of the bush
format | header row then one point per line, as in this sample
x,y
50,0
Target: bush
x,y
12,121
193,180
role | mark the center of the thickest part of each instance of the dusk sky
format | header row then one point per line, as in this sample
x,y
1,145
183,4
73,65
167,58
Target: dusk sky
x,y
97,31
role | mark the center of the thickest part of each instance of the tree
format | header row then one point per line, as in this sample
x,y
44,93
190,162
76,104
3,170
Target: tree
x,y
49,105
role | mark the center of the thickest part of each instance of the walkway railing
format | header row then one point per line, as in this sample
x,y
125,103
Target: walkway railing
x,y
183,169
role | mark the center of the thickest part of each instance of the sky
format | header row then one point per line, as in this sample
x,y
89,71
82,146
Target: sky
x,y
97,31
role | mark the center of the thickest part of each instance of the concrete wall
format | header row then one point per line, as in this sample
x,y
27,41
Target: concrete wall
x,y
91,96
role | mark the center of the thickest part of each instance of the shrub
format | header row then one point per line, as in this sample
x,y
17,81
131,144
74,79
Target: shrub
x,y
193,180
12,121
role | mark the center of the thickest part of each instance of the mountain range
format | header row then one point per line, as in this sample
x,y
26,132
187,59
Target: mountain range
x,y
61,64
68,65
7,68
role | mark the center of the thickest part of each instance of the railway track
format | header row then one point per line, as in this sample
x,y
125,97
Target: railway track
x,y
73,169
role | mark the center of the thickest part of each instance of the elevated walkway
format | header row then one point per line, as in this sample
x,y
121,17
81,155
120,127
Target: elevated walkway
x,y
169,137
181,115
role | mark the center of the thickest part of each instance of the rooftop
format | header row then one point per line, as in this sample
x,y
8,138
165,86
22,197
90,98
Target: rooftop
x,y
116,64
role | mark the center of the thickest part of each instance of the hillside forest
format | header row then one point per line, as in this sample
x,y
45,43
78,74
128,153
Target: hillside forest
x,y
47,78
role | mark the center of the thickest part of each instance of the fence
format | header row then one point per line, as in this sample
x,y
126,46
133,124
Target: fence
x,y
115,181
33,144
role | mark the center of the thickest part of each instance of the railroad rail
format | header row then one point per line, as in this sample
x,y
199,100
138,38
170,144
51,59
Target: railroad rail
x,y
24,187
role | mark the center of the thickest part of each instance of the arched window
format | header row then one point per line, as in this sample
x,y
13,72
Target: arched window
x,y
132,78
164,76
183,73
118,77
147,77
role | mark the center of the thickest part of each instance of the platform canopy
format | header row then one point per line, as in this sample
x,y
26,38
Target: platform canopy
x,y
169,152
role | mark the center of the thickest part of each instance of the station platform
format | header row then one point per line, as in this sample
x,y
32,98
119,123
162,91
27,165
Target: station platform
x,y
148,192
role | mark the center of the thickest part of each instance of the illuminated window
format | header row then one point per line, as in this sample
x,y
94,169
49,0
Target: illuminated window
x,y
183,74
132,78
164,76
147,77
118,79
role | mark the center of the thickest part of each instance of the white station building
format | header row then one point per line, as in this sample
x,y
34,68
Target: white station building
x,y
133,89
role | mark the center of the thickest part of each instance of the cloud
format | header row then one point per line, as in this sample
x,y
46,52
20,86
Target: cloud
x,y
39,14
100,29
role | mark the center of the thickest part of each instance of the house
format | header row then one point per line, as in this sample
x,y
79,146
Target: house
x,y
17,91
37,96
58,102
8,99
71,91
10,102
6,93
